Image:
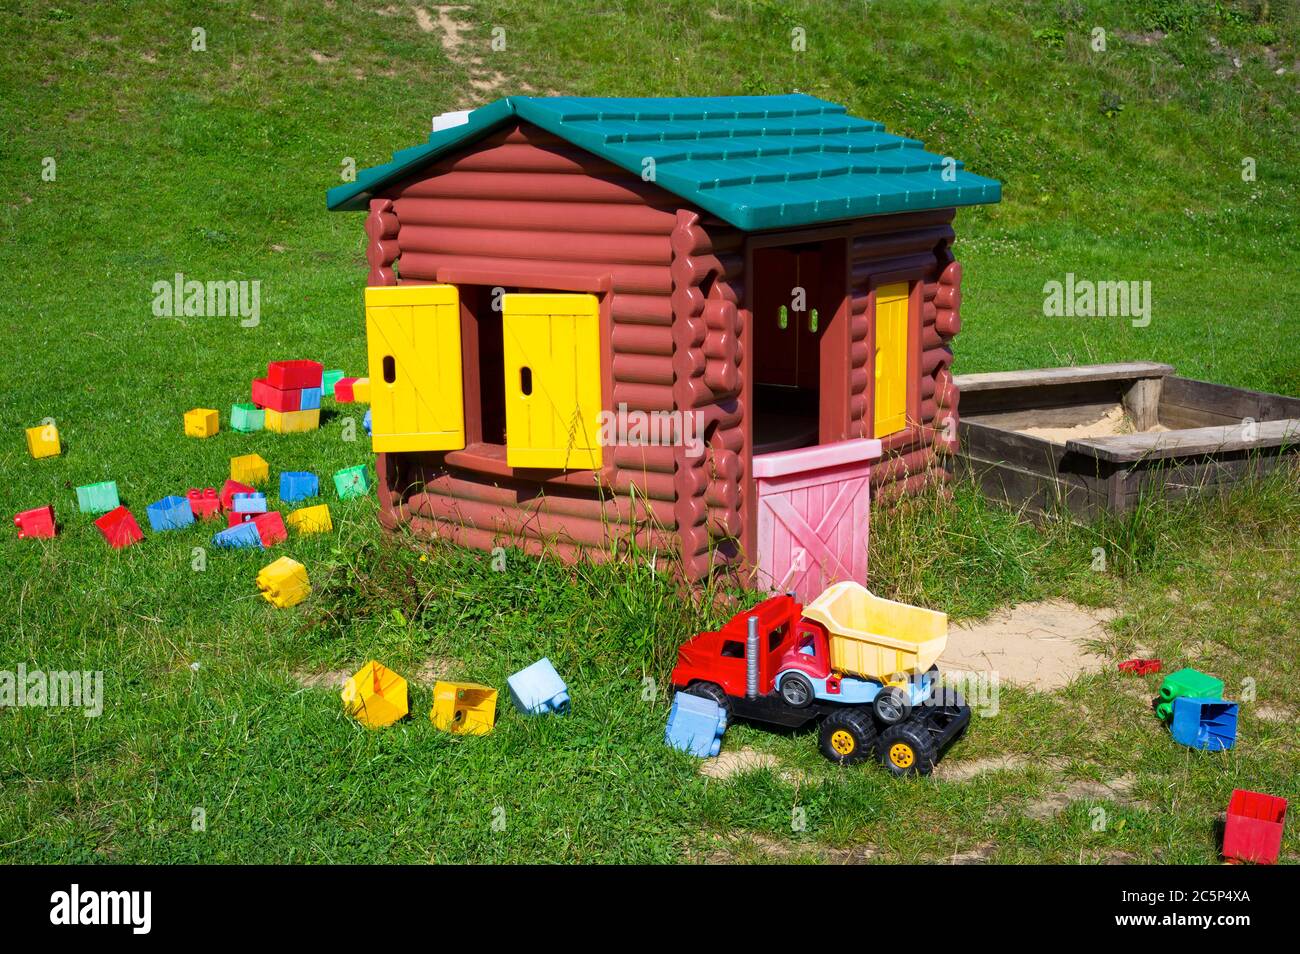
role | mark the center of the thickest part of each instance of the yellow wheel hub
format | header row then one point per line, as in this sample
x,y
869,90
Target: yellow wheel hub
x,y
901,754
843,742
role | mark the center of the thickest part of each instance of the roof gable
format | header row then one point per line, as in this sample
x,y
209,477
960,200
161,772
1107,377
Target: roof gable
x,y
758,162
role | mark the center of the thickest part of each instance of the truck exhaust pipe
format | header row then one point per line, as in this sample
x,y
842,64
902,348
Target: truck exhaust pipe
x,y
752,646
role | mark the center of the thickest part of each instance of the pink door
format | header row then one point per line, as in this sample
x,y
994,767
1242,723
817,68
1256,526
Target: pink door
x,y
813,509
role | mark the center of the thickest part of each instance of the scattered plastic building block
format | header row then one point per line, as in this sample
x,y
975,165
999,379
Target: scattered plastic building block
x,y
228,491
247,418
298,485
234,518
343,390
292,422
375,696
1253,829
98,498
1141,667
284,583
538,689
464,708
202,422
287,375
37,522
119,528
254,502
310,399
352,482
170,513
1204,723
311,519
365,422
270,528
361,390
204,502
249,469
43,441
329,379
238,536
1186,682
695,725
266,395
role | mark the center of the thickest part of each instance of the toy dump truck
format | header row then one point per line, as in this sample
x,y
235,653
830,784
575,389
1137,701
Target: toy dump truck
x,y
863,665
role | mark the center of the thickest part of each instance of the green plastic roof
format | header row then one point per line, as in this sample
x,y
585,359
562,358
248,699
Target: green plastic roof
x,y
758,162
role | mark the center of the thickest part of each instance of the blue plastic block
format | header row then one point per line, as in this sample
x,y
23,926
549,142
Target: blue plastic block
x,y
240,535
170,513
249,503
298,485
366,421
695,725
310,400
538,689
1204,723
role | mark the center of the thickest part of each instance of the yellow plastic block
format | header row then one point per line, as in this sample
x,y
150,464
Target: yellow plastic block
x,y
361,390
292,422
552,366
891,359
249,469
413,349
311,519
284,583
202,422
375,696
465,708
43,441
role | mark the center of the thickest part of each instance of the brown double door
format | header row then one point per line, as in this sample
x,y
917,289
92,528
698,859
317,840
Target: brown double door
x,y
790,315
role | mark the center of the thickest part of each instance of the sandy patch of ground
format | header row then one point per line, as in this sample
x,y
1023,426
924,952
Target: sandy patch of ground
x,y
947,771
730,764
1269,713
1040,645
1116,790
733,847
1112,422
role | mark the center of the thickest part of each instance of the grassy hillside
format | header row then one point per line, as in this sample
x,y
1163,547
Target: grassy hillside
x,y
1122,164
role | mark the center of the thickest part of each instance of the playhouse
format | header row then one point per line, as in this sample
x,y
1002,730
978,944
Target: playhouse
x,y
767,277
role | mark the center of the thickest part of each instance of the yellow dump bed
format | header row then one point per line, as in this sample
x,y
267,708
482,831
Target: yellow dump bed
x,y
877,638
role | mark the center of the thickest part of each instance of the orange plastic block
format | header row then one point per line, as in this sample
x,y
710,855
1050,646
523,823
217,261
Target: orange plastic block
x,y
465,708
249,469
375,696
284,583
361,390
43,441
292,422
311,519
202,422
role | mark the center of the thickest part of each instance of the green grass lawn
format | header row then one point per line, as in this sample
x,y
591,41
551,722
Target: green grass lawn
x,y
1123,164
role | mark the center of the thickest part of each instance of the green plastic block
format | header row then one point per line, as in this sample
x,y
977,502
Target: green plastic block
x,y
1189,683
352,482
247,418
329,379
98,498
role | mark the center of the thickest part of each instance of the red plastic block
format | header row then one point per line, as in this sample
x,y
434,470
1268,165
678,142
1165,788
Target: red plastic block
x,y
230,488
1253,831
1141,667
268,395
343,390
38,522
119,528
294,374
235,519
204,502
270,527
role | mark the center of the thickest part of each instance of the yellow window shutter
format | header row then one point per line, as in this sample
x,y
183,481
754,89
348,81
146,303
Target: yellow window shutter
x,y
416,391
891,359
553,403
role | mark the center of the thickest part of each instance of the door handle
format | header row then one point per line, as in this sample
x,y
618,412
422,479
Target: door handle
x,y
812,321
783,318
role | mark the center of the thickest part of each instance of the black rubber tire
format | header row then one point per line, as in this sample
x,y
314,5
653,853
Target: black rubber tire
x,y
710,690
848,736
798,686
908,749
891,706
